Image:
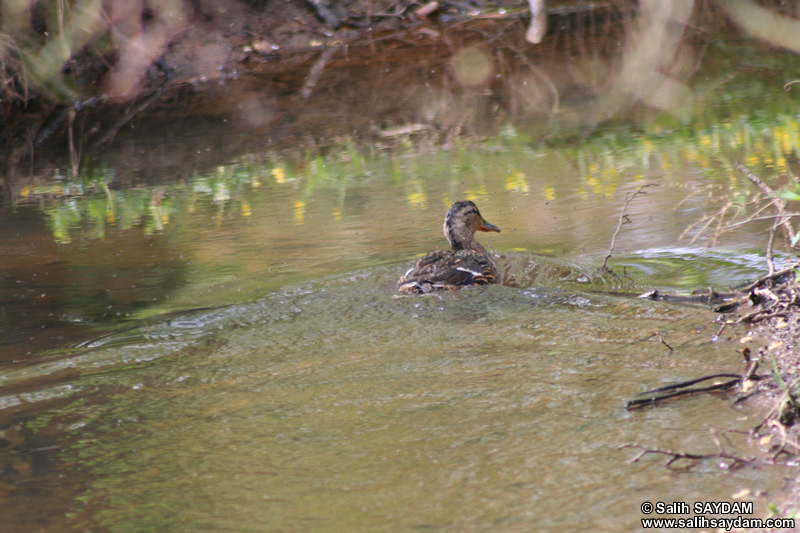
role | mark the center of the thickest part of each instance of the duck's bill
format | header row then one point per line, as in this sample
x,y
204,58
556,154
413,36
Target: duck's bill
x,y
485,226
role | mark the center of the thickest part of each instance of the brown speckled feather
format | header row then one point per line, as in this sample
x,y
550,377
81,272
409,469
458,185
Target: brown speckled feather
x,y
467,264
448,270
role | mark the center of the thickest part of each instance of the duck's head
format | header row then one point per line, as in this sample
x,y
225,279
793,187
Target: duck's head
x,y
461,223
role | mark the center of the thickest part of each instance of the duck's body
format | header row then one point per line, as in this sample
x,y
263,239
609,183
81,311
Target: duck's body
x,y
468,263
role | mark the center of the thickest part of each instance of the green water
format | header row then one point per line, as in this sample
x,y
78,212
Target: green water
x,y
341,406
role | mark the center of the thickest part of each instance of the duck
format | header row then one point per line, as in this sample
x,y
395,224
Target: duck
x,y
468,263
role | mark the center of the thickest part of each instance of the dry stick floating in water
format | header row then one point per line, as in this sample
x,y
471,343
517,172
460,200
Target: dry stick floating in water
x,y
623,219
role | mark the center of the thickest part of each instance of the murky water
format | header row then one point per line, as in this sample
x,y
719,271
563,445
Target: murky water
x,y
229,352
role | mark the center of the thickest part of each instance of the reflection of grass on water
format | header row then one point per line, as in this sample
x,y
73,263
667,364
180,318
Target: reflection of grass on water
x,y
769,143
603,162
94,214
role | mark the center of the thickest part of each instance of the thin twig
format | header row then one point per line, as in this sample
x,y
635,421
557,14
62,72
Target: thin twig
x,y
692,195
623,219
753,218
770,244
661,338
778,203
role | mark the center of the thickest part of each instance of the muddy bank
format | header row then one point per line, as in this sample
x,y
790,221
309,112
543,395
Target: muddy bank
x,y
773,340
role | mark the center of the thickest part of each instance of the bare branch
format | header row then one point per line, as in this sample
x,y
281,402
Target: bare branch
x,y
677,456
623,219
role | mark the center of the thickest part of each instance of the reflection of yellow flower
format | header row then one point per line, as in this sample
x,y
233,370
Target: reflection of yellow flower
x,y
246,209
256,183
549,193
337,214
279,174
786,141
299,211
517,182
417,199
752,159
474,195
595,184
164,218
780,164
24,192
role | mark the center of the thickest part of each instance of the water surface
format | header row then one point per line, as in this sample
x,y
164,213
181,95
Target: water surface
x,y
226,350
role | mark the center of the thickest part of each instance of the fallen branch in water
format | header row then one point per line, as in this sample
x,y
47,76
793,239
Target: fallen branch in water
x,y
623,219
677,456
673,391
643,402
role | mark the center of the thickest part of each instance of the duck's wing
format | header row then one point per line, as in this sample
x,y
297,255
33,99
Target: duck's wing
x,y
477,268
448,270
421,276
